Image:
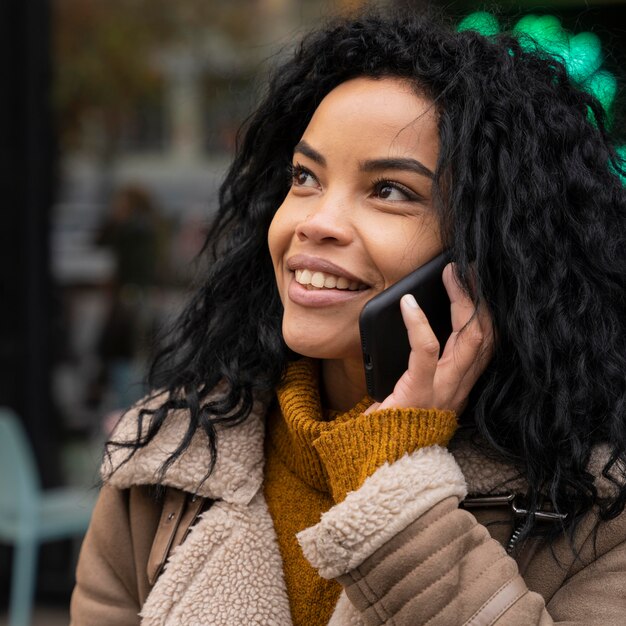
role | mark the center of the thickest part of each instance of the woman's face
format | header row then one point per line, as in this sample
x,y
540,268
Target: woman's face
x,y
358,216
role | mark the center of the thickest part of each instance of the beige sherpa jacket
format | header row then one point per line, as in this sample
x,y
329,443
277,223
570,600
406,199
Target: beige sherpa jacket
x,y
401,546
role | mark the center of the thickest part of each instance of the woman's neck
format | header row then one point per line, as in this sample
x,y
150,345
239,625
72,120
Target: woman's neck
x,y
342,384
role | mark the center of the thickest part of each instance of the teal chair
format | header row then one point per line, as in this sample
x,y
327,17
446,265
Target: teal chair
x,y
30,516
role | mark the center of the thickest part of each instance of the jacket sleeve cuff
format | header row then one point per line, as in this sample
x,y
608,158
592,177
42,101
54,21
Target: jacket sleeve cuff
x,y
389,500
355,449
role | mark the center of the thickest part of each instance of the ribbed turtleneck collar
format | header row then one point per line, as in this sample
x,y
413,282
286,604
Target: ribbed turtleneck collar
x,y
299,419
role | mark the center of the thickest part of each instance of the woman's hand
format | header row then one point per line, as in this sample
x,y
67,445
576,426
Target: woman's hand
x,y
442,383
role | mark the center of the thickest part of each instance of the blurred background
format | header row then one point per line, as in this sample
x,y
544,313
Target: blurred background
x,y
118,121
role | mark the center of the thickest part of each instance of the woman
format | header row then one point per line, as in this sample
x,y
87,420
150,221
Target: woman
x,y
261,485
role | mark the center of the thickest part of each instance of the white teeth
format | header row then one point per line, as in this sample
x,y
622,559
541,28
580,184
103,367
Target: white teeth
x,y
317,280
321,280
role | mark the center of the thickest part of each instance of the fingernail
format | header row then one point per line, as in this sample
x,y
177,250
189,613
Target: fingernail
x,y
410,300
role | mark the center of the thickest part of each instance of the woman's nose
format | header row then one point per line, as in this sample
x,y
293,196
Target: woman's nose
x,y
328,223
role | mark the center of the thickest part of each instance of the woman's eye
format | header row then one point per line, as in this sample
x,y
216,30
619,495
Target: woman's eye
x,y
301,177
393,191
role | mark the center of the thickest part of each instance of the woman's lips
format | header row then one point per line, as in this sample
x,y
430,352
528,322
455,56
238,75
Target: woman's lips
x,y
313,264
329,281
314,297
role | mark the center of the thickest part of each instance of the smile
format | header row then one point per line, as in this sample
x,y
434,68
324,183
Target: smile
x,y
324,280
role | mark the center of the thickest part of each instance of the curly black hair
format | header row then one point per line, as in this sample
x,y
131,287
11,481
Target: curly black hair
x,y
530,205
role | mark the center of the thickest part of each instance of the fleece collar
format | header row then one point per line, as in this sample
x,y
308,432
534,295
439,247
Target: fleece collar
x,y
238,472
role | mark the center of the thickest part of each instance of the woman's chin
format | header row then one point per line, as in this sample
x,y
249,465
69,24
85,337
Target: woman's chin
x,y
316,347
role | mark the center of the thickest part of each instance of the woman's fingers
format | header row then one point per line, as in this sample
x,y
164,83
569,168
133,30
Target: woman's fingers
x,y
466,355
443,383
415,386
469,348
372,407
423,341
461,305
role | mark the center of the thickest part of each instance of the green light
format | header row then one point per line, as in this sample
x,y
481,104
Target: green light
x,y
603,86
481,21
548,31
544,32
580,54
584,56
525,23
621,154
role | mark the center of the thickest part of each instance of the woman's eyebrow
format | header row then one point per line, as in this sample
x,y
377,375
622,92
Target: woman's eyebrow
x,y
304,148
412,165
396,164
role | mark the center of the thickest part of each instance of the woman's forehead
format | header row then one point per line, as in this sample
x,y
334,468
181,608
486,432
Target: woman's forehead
x,y
380,117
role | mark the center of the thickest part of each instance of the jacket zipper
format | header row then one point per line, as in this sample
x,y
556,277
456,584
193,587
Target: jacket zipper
x,y
519,513
517,531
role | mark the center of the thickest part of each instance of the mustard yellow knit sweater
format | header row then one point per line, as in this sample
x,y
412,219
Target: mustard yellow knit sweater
x,y
314,458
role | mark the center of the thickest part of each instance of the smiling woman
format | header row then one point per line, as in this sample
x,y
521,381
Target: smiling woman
x,y
358,217
260,484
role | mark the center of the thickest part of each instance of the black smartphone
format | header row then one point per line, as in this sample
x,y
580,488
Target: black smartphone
x,y
384,337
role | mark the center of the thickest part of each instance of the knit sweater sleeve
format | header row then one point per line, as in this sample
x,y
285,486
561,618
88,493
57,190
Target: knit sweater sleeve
x,y
355,448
